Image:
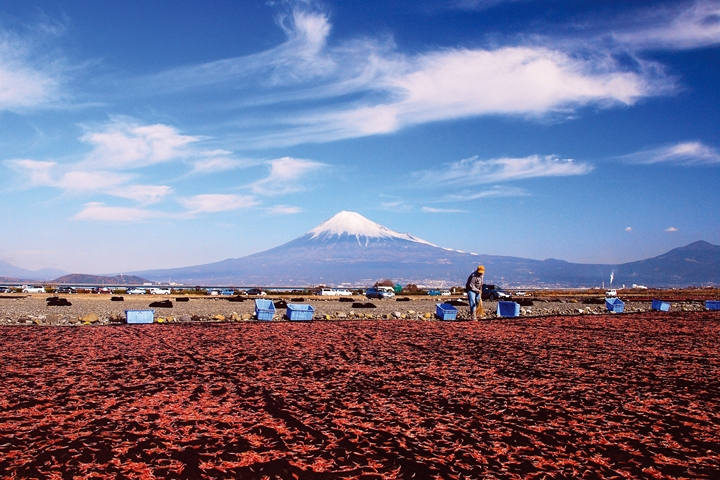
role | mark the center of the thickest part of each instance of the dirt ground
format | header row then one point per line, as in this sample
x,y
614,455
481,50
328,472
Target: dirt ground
x,y
584,396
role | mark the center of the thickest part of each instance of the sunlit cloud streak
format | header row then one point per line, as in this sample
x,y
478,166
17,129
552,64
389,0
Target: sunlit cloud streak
x,y
221,161
284,177
217,202
124,144
496,191
679,26
442,210
284,210
365,86
683,154
300,58
96,211
26,81
475,171
39,173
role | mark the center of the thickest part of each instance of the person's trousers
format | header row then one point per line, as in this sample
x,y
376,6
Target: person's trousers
x,y
475,300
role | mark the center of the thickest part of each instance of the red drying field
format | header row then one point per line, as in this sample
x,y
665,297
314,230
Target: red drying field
x,y
565,397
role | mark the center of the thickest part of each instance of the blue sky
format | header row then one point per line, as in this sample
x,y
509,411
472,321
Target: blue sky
x,y
138,135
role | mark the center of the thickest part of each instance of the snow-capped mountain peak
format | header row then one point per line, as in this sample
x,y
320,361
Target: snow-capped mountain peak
x,y
354,224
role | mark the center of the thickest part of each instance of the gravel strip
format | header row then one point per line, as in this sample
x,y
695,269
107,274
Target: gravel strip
x,y
100,309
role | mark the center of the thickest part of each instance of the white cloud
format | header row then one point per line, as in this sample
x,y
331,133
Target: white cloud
x,y
397,206
496,191
361,87
442,210
25,80
459,83
124,145
474,171
100,212
144,194
683,25
217,202
628,229
300,58
684,153
285,176
511,80
51,174
284,210
220,161
35,171
671,229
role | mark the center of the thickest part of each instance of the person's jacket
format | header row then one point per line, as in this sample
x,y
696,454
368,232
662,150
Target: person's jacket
x,y
474,282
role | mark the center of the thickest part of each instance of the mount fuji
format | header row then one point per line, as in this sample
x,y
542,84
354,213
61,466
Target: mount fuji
x,y
349,249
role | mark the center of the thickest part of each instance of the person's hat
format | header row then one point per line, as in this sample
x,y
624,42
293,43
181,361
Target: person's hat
x,y
481,268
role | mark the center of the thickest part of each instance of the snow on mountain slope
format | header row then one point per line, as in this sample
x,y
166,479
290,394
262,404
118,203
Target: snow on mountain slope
x,y
354,224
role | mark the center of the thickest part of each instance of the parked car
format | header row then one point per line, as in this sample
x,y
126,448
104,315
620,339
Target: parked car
x,y
33,289
435,292
611,293
256,291
380,292
67,290
103,290
136,291
228,291
334,292
5,290
493,292
160,291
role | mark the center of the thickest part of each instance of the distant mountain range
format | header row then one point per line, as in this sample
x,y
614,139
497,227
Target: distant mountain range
x,y
83,279
12,273
349,249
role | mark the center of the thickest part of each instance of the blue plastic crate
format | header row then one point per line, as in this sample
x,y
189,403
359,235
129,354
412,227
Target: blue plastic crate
x,y
445,311
614,305
660,306
712,304
508,309
300,311
139,316
264,309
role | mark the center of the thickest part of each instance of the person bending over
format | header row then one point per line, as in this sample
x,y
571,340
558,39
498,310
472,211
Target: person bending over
x,y
473,287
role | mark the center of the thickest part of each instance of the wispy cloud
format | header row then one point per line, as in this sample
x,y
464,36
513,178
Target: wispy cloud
x,y
496,191
285,176
684,153
122,153
27,80
39,173
143,194
97,211
221,161
442,210
123,144
300,58
671,230
676,26
475,171
399,206
216,202
359,87
480,4
527,81
284,210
